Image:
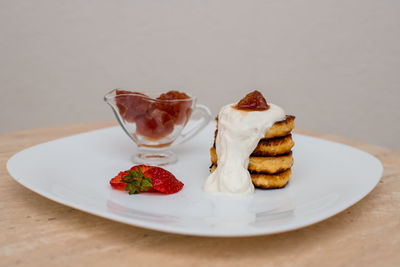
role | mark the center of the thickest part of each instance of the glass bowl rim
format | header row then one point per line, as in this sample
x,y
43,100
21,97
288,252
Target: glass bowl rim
x,y
112,94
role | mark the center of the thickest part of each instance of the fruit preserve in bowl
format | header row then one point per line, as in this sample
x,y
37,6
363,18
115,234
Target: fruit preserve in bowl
x,y
156,121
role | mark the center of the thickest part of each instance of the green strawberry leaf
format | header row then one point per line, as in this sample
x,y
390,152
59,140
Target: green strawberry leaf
x,y
136,182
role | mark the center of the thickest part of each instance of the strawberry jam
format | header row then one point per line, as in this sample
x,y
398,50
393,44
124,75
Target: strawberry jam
x,y
155,124
154,118
132,104
253,101
179,110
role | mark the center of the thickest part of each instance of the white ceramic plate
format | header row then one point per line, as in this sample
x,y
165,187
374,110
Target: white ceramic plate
x,y
75,171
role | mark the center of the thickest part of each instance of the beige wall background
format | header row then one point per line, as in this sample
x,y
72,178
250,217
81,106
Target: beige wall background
x,y
334,64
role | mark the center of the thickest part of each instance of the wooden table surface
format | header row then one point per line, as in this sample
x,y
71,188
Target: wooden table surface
x,y
35,231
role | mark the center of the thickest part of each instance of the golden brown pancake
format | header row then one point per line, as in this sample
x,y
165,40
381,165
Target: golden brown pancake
x,y
268,181
279,128
273,146
263,164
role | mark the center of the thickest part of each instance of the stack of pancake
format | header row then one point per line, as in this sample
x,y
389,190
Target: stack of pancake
x,y
270,163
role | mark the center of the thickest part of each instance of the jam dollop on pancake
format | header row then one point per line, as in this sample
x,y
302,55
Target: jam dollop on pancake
x,y
253,101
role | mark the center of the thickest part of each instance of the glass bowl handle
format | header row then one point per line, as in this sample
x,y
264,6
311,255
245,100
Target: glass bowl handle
x,y
205,117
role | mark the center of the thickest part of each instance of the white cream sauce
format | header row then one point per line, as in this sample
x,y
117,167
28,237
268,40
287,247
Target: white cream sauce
x,y
238,135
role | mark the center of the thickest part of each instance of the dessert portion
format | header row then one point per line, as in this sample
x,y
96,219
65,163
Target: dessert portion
x,y
252,147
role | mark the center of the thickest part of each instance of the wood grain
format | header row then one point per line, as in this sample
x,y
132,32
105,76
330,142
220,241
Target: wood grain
x,y
35,231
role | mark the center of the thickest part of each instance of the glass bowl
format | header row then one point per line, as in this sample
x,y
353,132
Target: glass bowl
x,y
155,125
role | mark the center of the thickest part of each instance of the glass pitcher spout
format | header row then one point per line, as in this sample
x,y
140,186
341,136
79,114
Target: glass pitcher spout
x,y
110,99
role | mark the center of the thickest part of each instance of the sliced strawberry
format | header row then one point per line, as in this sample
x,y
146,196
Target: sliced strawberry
x,y
116,181
163,181
144,168
144,178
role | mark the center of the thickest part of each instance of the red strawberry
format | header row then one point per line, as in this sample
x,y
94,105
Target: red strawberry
x,y
144,168
163,181
116,181
142,178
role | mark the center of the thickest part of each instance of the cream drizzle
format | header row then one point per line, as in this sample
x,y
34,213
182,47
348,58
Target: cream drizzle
x,y
238,135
